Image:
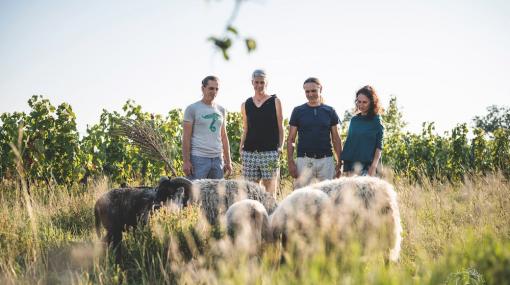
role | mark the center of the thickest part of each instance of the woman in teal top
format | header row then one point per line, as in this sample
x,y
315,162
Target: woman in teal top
x,y
363,146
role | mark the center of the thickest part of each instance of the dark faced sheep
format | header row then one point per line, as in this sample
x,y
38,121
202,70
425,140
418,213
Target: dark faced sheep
x,y
119,209
367,206
248,225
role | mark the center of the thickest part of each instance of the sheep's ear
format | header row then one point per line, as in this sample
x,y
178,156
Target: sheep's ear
x,y
187,195
187,185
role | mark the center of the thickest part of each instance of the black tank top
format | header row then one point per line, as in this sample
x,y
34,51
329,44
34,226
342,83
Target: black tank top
x,y
262,125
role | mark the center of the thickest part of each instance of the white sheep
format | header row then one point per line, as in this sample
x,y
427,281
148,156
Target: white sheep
x,y
248,225
299,214
366,206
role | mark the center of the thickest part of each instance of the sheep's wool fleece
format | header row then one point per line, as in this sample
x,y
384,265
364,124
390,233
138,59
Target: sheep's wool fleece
x,y
303,206
250,217
372,199
125,206
215,196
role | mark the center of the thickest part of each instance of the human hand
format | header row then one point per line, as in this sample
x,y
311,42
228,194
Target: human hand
x,y
338,171
227,169
187,168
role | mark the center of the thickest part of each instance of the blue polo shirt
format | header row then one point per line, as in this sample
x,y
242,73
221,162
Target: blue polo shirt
x,y
365,135
314,129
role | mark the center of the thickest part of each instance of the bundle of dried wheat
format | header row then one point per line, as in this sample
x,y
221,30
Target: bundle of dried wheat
x,y
148,139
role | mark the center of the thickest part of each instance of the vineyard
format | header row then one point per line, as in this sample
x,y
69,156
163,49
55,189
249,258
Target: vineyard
x,y
52,151
453,191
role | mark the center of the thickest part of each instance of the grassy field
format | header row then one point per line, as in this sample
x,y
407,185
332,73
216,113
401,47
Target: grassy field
x,y
453,234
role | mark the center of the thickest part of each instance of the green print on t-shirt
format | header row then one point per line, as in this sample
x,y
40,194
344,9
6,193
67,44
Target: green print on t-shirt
x,y
214,118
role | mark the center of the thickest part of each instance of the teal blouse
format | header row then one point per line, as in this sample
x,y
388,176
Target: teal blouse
x,y
365,135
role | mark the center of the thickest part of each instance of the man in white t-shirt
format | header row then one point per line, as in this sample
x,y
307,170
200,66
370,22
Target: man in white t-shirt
x,y
205,146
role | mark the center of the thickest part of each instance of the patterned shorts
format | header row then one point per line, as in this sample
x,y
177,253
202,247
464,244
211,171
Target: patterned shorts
x,y
260,164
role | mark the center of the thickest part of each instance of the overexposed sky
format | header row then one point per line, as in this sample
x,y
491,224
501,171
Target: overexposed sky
x,y
446,61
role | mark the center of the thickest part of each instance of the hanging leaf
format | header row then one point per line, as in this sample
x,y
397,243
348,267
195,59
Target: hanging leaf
x,y
232,30
222,44
225,54
251,44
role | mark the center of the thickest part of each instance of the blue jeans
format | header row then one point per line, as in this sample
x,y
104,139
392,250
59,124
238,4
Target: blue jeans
x,y
205,167
361,168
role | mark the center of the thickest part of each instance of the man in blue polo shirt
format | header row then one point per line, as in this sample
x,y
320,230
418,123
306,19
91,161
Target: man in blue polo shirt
x,y
316,125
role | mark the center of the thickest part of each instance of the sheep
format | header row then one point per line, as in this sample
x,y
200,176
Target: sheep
x,y
122,208
368,206
215,196
298,214
119,209
248,225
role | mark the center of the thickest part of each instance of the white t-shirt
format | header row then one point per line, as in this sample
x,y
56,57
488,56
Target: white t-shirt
x,y
206,133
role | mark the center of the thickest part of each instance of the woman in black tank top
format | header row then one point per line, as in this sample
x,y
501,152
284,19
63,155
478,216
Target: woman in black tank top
x,y
262,134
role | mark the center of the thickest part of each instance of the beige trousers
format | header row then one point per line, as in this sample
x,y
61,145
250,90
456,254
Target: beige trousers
x,y
312,170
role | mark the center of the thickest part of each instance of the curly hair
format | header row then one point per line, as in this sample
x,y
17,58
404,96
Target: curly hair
x,y
375,108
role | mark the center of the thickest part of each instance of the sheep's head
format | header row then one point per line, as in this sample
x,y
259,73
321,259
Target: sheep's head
x,y
177,189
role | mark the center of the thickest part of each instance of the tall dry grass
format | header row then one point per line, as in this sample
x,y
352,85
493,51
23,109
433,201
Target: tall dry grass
x,y
453,233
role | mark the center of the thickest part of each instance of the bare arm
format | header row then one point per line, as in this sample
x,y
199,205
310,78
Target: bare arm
x,y
279,118
378,150
187,127
337,147
226,150
375,161
290,151
245,128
